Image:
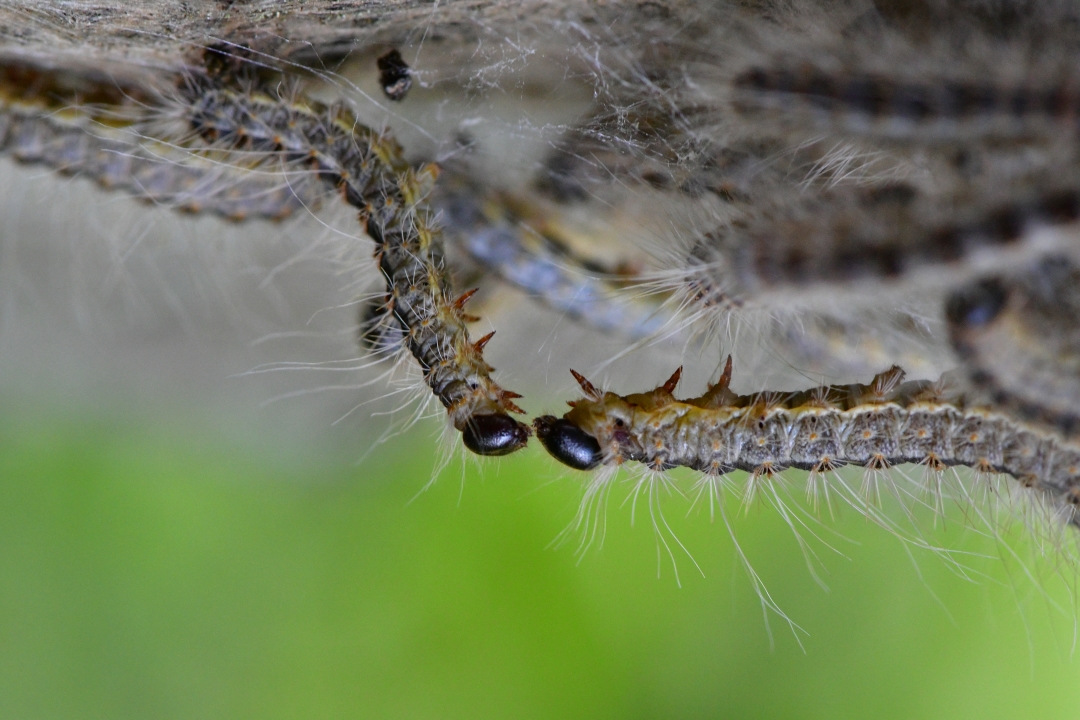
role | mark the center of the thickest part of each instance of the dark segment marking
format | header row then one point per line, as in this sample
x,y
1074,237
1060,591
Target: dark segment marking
x,y
852,234
949,104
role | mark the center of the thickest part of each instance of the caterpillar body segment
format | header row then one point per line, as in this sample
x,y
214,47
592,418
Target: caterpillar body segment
x,y
339,150
878,425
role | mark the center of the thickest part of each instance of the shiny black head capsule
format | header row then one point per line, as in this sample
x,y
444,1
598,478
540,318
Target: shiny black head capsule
x,y
394,75
568,443
977,304
495,434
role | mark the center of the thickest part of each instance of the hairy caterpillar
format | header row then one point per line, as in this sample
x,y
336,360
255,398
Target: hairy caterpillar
x,y
84,141
369,170
654,111
939,109
877,234
489,230
1018,335
149,173
107,133
372,175
877,425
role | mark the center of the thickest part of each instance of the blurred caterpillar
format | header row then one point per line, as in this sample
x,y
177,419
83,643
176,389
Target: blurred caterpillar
x,y
110,134
841,242
940,108
1018,335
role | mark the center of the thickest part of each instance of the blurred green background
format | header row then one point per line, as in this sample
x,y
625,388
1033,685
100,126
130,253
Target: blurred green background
x,y
157,568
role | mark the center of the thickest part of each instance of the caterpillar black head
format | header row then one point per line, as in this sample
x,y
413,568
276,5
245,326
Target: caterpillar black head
x,y
977,304
394,75
494,434
568,443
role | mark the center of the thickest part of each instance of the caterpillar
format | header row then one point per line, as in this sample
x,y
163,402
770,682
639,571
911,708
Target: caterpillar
x,y
1018,336
107,133
889,107
331,147
372,175
488,228
73,141
154,173
885,234
939,73
878,425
